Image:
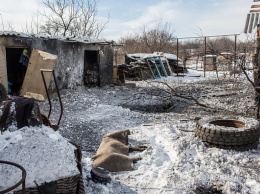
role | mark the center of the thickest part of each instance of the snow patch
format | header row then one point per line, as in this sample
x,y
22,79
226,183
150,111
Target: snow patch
x,y
45,155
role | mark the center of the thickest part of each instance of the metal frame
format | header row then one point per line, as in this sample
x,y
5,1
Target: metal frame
x,y
161,66
55,127
168,65
22,181
158,76
205,48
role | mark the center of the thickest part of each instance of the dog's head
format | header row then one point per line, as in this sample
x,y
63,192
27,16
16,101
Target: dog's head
x,y
121,136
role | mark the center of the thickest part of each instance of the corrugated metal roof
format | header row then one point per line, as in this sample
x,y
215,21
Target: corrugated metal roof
x,y
82,39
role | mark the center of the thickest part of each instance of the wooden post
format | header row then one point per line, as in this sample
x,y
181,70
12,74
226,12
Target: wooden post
x,y
177,56
235,56
256,65
205,53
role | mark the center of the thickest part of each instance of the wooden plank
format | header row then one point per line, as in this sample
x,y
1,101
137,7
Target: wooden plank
x,y
251,23
254,10
247,23
255,6
256,20
33,84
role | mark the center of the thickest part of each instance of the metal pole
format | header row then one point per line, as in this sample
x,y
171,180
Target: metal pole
x,y
61,106
235,56
177,55
46,89
205,52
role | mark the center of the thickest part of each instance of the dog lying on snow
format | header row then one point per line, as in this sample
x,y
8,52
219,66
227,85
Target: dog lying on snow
x,y
113,151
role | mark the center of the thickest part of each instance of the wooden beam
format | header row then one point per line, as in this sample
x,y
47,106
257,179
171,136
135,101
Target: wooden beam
x,y
251,23
255,6
255,10
247,23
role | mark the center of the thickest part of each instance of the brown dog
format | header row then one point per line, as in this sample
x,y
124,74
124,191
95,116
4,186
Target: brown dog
x,y
113,151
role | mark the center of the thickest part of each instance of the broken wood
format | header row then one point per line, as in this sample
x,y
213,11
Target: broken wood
x,y
33,83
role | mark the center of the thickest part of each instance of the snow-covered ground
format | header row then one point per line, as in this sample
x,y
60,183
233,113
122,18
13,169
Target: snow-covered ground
x,y
175,161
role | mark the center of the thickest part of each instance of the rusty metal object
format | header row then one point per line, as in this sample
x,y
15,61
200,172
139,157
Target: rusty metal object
x,y
22,181
55,127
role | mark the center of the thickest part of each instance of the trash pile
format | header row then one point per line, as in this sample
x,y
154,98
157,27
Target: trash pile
x,y
143,66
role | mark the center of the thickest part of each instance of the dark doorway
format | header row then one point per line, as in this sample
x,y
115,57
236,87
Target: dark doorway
x,y
91,68
15,68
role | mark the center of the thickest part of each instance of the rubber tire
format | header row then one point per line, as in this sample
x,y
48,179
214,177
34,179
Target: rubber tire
x,y
226,136
3,93
244,147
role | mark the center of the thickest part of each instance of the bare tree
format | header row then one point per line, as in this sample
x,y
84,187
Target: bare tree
x,y
132,43
10,26
156,39
2,22
72,18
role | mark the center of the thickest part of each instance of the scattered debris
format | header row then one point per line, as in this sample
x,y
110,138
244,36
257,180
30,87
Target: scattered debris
x,y
143,66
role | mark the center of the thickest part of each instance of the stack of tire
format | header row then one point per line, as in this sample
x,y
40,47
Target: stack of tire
x,y
240,134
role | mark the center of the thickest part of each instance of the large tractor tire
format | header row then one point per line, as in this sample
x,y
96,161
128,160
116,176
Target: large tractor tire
x,y
236,133
3,93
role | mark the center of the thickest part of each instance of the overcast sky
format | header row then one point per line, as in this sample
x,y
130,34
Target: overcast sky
x,y
186,17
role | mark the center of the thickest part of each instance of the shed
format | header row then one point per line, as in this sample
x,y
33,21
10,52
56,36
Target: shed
x,y
80,61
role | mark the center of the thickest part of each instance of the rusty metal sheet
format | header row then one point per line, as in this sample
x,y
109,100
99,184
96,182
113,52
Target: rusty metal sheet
x,y
33,85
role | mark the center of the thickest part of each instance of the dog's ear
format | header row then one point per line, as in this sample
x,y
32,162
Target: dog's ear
x,y
121,136
125,132
94,157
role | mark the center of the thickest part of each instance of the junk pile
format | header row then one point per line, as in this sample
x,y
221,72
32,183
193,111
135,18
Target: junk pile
x,y
143,66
